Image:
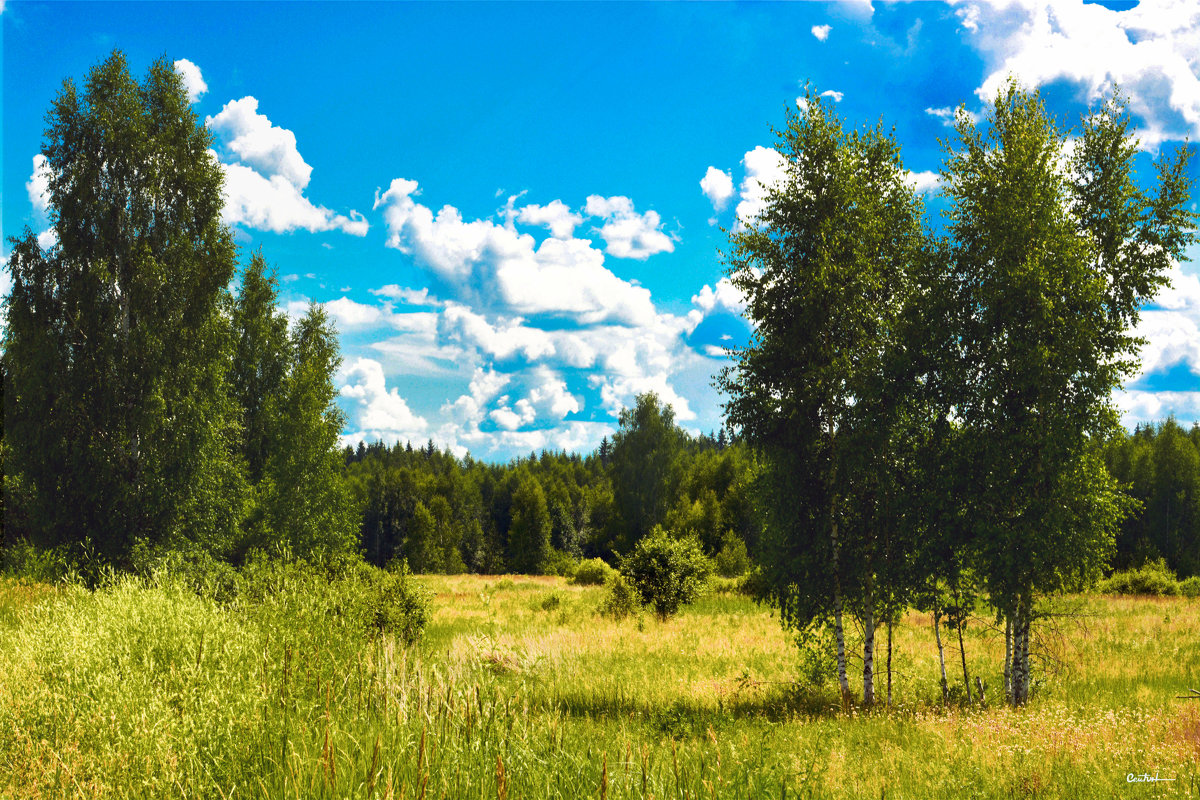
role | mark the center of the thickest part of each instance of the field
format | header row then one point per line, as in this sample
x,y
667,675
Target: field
x,y
519,689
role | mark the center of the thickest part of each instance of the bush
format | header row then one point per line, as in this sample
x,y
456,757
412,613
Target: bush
x,y
1190,587
593,572
1153,578
559,563
666,573
621,600
732,559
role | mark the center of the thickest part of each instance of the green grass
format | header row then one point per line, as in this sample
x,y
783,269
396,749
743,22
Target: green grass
x,y
520,690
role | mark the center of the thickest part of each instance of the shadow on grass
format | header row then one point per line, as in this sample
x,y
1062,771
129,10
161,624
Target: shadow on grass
x,y
684,718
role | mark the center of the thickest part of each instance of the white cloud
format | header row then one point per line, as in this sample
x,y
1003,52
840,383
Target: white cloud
x,y
765,168
717,187
626,233
835,96
821,32
1152,51
38,186
265,176
193,81
379,413
47,238
257,143
726,297
494,268
923,182
503,341
275,204
802,103
349,314
411,297
1139,406
555,215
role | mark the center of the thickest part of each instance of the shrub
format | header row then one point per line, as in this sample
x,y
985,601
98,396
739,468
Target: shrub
x,y
666,573
559,563
592,572
1190,587
1153,578
732,559
621,600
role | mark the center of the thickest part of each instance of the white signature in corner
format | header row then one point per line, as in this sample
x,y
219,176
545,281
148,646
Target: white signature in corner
x,y
1145,777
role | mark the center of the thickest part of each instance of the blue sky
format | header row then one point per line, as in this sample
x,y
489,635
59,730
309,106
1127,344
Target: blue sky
x,y
514,212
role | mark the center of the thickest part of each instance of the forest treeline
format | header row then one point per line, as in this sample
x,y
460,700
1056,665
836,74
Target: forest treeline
x,y
542,513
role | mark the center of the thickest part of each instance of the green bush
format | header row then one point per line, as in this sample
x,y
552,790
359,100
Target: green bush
x,y
621,600
666,573
593,572
1153,578
559,563
732,559
1190,587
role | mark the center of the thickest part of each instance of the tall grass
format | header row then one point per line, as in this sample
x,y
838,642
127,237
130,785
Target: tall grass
x,y
142,688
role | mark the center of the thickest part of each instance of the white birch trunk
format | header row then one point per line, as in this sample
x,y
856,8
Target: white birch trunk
x,y
937,614
1008,650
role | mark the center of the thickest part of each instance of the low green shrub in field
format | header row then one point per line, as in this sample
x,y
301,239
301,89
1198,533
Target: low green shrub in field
x,y
732,559
559,563
621,600
1153,578
666,573
1190,587
592,572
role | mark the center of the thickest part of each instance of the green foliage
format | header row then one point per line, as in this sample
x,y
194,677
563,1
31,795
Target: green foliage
x,y
645,465
396,603
1190,587
1159,467
1154,579
117,413
529,533
621,600
559,563
665,572
731,559
593,572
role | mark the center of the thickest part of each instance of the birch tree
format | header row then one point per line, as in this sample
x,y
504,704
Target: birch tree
x,y
117,412
1053,256
824,269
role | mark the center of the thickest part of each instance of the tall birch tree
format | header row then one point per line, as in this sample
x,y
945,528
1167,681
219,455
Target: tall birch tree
x,y
825,272
1054,254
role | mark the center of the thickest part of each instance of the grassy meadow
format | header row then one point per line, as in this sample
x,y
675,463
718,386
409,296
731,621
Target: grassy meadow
x,y
519,689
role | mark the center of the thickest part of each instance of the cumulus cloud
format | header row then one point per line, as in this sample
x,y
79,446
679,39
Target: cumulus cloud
x,y
411,297
265,176
725,296
193,81
717,187
1151,50
275,204
821,32
493,267
349,314
38,186
1138,406
257,143
923,182
626,233
555,215
379,413
765,168
832,95
502,341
